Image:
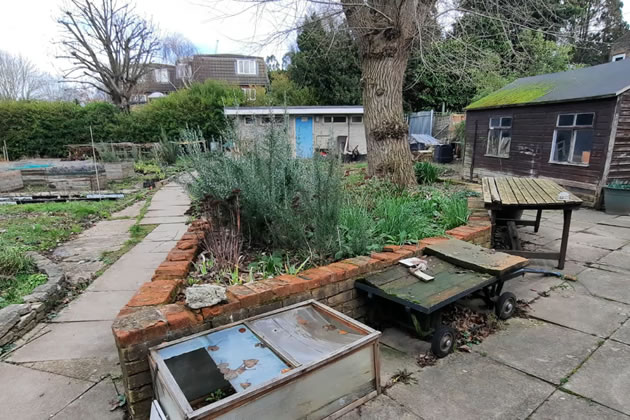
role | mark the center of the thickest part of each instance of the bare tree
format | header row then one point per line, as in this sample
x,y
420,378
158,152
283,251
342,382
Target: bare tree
x,y
109,47
176,46
19,78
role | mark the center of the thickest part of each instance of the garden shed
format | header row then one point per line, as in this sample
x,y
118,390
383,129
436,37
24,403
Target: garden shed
x,y
311,128
571,127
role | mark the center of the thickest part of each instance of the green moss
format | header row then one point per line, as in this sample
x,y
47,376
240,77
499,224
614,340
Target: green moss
x,y
512,96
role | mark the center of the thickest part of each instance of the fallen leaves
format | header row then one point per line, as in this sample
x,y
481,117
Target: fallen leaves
x,y
426,359
472,327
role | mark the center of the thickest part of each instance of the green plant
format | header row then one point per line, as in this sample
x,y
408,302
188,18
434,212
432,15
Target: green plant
x,y
453,211
13,288
205,265
294,269
356,232
13,260
235,276
150,169
106,153
426,172
167,150
268,265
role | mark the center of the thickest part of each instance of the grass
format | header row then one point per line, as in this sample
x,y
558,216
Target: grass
x,y
42,227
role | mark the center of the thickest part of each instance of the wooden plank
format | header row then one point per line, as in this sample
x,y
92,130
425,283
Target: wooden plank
x,y
548,195
520,197
534,192
553,186
477,258
494,192
507,195
529,199
485,188
387,276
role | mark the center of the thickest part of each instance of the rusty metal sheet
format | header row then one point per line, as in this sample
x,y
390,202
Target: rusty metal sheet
x,y
305,334
475,257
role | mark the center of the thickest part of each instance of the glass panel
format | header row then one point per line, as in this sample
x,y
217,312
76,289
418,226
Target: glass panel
x,y
583,146
327,119
506,122
565,120
584,119
357,119
495,122
493,142
562,145
339,119
504,143
305,334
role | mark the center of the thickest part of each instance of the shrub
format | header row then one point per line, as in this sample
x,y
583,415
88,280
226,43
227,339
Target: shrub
x,y
426,172
167,151
285,202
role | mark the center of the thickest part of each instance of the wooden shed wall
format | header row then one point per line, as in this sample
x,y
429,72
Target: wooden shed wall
x,y
532,137
620,159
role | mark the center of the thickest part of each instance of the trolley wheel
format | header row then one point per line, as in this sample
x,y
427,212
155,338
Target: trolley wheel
x,y
505,305
443,341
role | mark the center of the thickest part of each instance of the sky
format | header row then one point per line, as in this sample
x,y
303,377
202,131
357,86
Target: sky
x,y
28,27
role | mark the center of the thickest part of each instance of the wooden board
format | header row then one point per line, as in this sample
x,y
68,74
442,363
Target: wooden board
x,y
475,257
450,283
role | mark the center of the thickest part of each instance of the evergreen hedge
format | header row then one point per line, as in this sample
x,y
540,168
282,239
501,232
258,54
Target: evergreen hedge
x,y
43,129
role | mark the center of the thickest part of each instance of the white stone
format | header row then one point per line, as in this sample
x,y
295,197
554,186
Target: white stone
x,y
203,295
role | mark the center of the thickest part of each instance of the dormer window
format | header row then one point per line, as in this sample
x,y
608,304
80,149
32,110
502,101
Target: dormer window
x,y
246,67
182,71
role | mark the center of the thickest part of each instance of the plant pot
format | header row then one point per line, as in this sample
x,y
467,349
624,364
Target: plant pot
x,y
617,201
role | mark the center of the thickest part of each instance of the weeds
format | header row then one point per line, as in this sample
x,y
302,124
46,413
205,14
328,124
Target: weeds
x,y
426,172
403,376
167,150
13,260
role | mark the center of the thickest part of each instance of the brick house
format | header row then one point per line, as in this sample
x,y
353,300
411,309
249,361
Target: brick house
x,y
247,72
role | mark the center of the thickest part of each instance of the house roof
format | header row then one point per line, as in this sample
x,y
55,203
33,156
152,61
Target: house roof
x,y
294,110
601,81
224,67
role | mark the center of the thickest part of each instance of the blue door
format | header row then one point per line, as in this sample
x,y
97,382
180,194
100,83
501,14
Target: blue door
x,y
304,136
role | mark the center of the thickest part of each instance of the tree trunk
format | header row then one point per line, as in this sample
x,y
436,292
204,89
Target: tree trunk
x,y
386,130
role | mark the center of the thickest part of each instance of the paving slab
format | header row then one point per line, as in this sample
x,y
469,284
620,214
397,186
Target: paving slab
x,y
619,259
31,394
168,232
609,231
95,306
107,235
380,408
124,276
92,369
163,220
588,215
393,361
623,333
582,312
564,406
614,285
597,241
94,404
131,211
152,247
570,267
73,340
80,272
531,286
579,252
167,212
470,386
546,351
605,377
404,342
620,221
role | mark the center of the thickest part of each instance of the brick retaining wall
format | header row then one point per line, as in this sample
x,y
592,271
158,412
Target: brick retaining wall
x,y
153,316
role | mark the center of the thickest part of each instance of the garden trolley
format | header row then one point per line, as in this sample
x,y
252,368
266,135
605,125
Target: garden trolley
x,y
459,269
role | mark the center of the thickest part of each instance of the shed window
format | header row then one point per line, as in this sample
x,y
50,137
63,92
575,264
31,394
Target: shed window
x,y
276,119
499,137
249,120
357,119
328,119
573,139
339,119
246,66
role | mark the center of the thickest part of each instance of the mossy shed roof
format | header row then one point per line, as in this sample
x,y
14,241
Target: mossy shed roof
x,y
601,81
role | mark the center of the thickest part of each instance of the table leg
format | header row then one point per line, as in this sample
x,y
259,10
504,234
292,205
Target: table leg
x,y
565,238
538,216
493,226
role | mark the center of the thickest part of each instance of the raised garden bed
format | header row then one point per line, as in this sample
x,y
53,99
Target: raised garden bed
x,y
155,314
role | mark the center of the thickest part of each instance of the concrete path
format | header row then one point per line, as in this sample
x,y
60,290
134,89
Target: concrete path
x,y
69,369
569,360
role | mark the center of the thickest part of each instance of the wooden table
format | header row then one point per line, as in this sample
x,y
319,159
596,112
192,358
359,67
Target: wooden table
x,y
504,194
